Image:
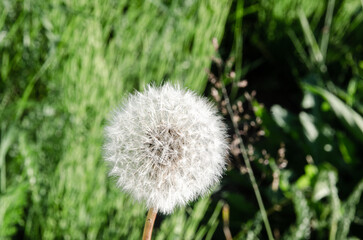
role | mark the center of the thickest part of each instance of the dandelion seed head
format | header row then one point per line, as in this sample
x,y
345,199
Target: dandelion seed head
x,y
166,146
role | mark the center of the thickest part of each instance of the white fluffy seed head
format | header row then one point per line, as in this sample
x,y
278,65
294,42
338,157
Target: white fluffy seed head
x,y
166,146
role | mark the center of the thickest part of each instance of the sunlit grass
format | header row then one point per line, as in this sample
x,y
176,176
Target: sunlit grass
x,y
78,60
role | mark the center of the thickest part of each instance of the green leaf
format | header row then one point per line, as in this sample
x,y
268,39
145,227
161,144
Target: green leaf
x,y
310,130
283,118
322,186
350,118
346,148
305,181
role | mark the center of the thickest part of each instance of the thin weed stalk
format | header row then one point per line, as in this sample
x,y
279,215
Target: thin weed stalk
x,y
219,62
248,165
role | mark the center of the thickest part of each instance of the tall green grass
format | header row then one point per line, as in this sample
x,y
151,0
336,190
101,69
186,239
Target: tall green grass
x,y
64,66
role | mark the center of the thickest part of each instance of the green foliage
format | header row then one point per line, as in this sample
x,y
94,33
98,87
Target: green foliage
x,y
349,211
301,229
180,226
302,59
65,64
251,229
12,206
337,216
350,118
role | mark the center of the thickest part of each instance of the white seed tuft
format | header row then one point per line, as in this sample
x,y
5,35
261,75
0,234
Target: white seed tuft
x,y
166,146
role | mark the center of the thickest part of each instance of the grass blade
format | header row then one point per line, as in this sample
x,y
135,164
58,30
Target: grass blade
x,y
335,205
315,51
326,30
350,118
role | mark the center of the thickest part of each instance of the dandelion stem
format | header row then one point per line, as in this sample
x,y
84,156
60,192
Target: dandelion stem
x,y
149,224
248,165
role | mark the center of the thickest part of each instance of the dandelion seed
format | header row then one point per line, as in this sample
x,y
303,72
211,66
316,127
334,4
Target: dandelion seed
x,y
166,147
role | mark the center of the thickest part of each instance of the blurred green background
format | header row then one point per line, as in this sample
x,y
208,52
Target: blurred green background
x,y
293,71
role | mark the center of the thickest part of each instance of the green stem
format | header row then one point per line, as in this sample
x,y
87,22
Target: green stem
x,y
3,177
